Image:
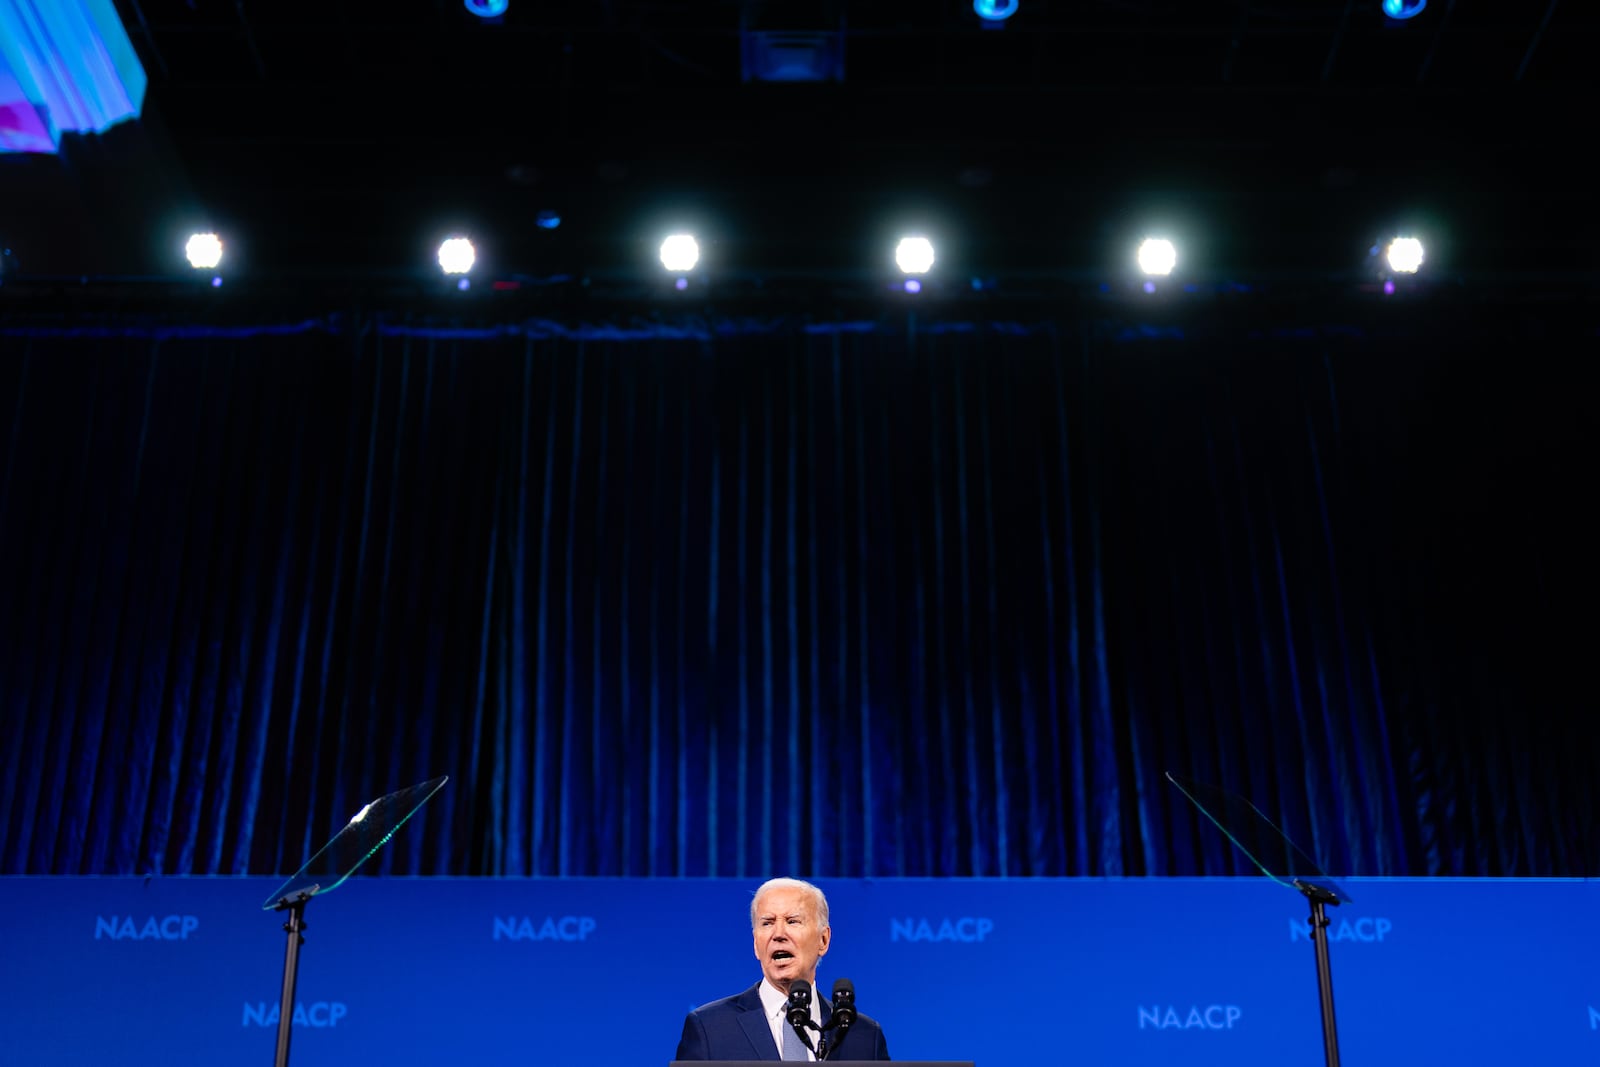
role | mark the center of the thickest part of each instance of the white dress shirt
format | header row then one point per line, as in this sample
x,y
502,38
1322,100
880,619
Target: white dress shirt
x,y
776,1005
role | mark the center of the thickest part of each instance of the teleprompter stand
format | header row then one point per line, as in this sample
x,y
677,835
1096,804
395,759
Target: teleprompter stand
x,y
352,846
1280,860
295,927
1320,896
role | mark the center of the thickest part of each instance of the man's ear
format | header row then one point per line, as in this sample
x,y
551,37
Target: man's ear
x,y
827,936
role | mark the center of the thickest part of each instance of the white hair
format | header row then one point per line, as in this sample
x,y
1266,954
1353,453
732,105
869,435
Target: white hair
x,y
819,901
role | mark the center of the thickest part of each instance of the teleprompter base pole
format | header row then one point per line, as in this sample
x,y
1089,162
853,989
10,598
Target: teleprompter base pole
x,y
1319,898
295,927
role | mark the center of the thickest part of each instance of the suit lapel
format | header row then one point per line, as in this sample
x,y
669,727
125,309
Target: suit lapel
x,y
754,1021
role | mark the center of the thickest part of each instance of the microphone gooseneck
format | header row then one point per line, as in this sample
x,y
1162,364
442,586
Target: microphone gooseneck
x,y
843,1017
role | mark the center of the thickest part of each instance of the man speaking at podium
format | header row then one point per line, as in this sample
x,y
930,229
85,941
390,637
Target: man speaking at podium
x,y
789,919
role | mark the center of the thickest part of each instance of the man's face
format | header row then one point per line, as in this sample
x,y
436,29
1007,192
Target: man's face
x,y
788,940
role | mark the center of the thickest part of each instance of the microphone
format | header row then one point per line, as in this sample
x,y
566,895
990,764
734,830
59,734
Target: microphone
x,y
844,1014
799,1011
844,1005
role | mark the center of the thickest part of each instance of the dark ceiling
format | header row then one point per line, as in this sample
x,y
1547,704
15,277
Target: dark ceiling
x,y
345,135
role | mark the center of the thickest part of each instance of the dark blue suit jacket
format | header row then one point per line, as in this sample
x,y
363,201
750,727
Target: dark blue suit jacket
x,y
735,1028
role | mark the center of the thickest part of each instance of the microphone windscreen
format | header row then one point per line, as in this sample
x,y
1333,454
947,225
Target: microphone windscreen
x,y
799,1012
844,1001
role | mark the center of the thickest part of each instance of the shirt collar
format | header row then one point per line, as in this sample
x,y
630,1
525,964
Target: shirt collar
x,y
775,1002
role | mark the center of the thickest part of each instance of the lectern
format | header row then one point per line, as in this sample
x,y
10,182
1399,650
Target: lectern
x,y
840,1063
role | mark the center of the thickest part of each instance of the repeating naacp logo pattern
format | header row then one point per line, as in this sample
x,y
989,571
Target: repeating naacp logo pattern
x,y
318,1014
1171,1017
1369,930
148,928
968,930
1212,971
548,928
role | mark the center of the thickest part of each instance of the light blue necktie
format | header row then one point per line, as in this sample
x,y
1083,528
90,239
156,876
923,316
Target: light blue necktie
x,y
793,1047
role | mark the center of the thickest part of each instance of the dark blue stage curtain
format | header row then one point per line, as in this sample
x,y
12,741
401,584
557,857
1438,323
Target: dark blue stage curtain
x,y
854,599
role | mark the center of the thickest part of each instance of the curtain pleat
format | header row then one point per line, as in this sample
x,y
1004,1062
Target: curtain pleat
x,y
947,600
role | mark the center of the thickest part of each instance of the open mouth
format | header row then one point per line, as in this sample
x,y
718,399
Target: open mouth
x,y
781,955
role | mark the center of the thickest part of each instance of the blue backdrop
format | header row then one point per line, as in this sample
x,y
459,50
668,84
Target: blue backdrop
x,y
600,972
962,591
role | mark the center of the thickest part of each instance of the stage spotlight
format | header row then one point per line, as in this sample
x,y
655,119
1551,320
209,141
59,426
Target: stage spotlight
x,y
995,10
456,255
1404,255
680,252
914,255
1157,256
1403,9
204,251
487,9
